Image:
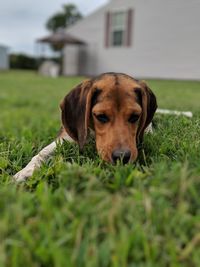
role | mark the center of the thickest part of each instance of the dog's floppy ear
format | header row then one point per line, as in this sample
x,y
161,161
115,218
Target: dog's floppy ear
x,y
75,109
149,106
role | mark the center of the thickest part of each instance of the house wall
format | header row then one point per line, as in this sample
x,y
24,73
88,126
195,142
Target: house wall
x,y
70,60
165,39
4,61
79,60
91,31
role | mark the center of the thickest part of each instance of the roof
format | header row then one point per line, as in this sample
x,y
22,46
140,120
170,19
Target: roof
x,y
60,38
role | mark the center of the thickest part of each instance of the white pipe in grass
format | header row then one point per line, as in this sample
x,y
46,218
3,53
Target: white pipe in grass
x,y
175,112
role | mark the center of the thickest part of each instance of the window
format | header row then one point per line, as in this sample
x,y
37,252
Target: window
x,y
118,28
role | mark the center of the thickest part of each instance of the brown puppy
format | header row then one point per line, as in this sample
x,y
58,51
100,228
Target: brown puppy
x,y
117,107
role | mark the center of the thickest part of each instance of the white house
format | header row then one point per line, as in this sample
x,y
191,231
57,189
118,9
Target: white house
x,y
4,60
144,38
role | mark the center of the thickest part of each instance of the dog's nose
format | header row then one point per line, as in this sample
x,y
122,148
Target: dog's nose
x,y
121,154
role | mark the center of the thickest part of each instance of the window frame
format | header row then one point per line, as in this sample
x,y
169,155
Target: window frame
x,y
126,28
118,28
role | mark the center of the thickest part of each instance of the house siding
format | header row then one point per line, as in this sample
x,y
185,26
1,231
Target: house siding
x,y
165,40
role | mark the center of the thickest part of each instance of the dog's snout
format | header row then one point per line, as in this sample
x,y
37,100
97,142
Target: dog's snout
x,y
123,155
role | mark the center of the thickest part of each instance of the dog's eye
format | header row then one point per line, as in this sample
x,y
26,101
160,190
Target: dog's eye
x,y
102,118
133,118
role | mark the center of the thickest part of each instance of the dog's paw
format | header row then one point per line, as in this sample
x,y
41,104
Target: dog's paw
x,y
24,174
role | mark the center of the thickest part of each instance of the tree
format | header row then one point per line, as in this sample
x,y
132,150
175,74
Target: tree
x,y
60,21
68,16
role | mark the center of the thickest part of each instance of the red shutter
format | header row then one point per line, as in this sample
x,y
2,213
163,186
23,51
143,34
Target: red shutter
x,y
129,27
107,29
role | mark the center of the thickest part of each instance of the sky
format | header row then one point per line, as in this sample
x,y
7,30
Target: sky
x,y
23,21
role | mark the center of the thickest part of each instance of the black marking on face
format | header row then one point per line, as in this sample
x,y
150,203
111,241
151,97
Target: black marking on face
x,y
117,91
138,93
116,80
94,100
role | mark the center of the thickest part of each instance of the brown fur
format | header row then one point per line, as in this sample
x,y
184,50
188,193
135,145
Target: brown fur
x,y
117,96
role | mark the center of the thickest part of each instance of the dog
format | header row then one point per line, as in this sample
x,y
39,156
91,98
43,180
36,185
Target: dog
x,y
117,107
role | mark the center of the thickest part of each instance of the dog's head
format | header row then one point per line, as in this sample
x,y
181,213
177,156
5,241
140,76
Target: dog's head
x,y
117,107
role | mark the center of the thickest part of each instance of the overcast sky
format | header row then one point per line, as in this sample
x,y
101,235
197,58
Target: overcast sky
x,y
23,21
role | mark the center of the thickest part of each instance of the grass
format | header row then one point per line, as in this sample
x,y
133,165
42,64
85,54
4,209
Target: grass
x,y
89,213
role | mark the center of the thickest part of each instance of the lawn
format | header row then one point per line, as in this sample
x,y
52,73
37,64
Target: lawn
x,y
77,211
